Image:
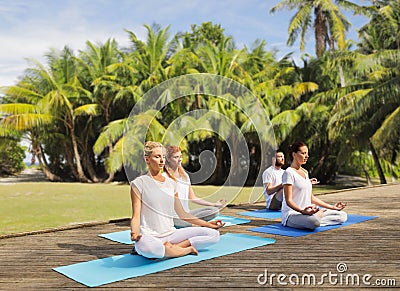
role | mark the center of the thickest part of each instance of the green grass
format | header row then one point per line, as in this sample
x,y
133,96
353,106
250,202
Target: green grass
x,y
35,206
38,206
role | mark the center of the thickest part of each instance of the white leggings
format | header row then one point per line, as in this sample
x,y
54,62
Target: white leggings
x,y
329,217
199,237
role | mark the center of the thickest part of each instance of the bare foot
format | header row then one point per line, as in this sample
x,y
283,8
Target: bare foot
x,y
167,244
172,251
194,251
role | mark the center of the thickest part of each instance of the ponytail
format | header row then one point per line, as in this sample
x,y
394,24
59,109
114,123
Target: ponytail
x,y
169,174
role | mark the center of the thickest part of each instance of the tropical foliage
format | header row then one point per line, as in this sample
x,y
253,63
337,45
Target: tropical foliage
x,y
11,156
74,109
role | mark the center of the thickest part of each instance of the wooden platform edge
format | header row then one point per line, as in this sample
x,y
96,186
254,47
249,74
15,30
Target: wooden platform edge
x,y
95,223
62,228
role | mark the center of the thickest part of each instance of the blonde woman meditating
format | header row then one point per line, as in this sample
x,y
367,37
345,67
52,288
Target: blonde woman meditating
x,y
154,202
299,207
174,170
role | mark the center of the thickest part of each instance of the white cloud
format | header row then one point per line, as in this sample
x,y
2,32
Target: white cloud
x,y
18,48
32,38
28,29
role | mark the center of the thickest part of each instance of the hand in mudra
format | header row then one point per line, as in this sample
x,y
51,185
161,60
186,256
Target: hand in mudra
x,y
310,210
135,236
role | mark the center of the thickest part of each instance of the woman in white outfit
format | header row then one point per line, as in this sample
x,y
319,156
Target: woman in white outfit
x,y
299,208
174,169
154,201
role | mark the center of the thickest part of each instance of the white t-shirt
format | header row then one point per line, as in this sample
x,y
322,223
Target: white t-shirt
x,y
274,176
182,187
183,192
157,211
301,192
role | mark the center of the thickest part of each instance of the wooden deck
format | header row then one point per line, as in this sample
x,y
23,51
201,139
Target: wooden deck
x,y
371,247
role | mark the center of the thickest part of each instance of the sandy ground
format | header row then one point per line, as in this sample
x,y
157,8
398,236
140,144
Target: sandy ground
x,y
27,175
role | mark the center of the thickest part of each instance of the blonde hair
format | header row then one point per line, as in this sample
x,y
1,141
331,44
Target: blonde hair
x,y
170,151
149,146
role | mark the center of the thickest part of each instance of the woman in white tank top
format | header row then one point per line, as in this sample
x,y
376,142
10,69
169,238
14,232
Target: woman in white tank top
x,y
154,201
299,208
173,169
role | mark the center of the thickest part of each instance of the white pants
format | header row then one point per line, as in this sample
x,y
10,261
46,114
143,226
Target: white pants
x,y
199,237
329,217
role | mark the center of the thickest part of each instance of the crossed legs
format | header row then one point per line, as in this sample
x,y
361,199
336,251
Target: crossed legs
x,y
182,242
323,218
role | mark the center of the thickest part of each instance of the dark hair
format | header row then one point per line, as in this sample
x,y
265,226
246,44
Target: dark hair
x,y
295,147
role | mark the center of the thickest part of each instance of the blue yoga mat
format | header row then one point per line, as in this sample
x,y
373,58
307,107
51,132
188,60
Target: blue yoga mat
x,y
279,229
108,270
263,213
125,236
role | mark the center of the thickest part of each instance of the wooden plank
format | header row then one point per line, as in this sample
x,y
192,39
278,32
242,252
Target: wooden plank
x,y
371,247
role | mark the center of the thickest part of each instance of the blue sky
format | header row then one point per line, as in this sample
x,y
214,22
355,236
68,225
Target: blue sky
x,y
29,28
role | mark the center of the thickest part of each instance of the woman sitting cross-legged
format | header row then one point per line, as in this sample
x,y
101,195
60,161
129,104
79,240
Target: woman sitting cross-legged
x,y
154,201
299,208
174,170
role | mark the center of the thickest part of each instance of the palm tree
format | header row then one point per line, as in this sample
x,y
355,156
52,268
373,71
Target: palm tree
x,y
371,108
98,76
382,32
139,69
221,60
149,59
29,120
57,92
329,23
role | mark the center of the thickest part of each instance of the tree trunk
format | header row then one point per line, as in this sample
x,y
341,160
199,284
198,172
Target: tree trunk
x,y
217,177
110,145
110,178
198,98
320,32
316,172
392,163
89,166
332,49
44,160
91,171
112,174
377,163
235,170
52,177
81,174
341,76
70,160
331,172
369,181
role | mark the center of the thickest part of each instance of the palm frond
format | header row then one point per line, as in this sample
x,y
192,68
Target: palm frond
x,y
27,121
284,123
17,108
389,131
111,133
87,109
